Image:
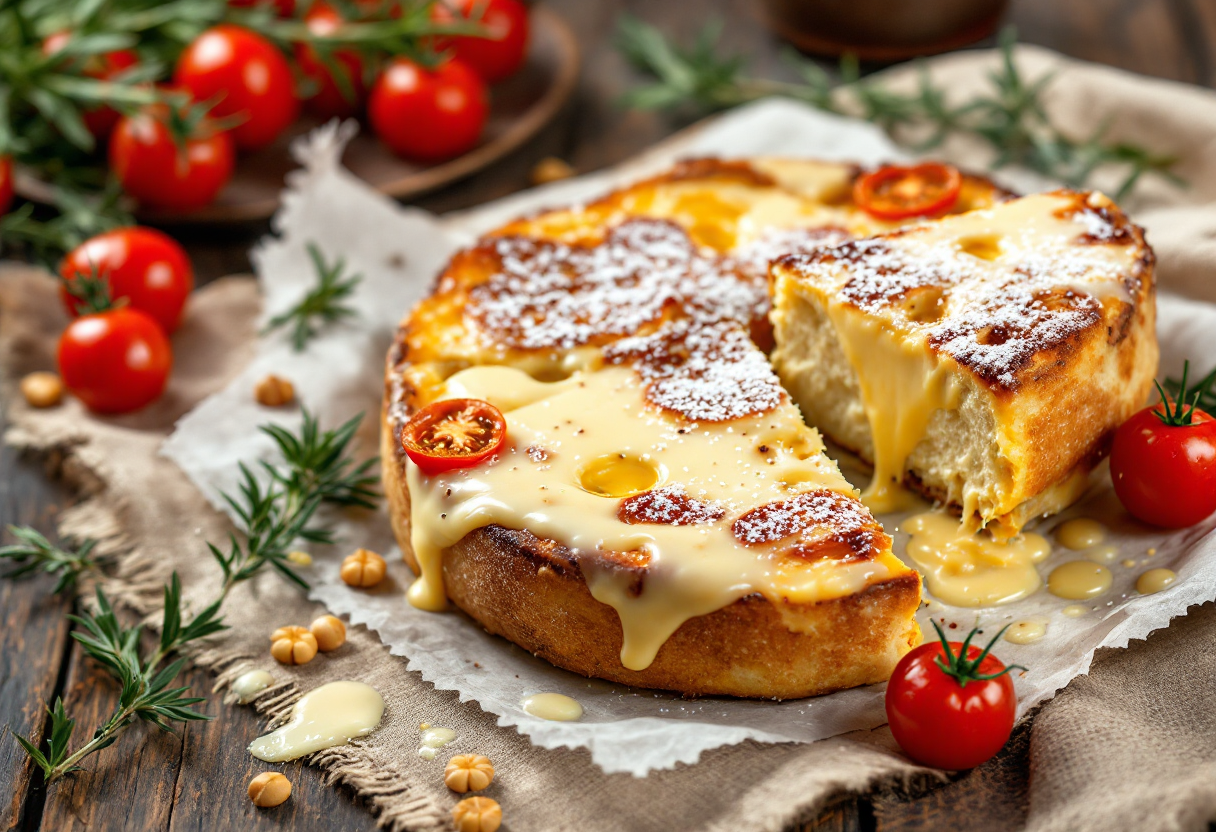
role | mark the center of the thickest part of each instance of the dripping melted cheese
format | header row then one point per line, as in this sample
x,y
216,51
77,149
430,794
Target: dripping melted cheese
x,y
558,436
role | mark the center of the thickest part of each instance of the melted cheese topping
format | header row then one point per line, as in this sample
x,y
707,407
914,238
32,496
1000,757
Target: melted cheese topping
x,y
674,571
970,569
902,386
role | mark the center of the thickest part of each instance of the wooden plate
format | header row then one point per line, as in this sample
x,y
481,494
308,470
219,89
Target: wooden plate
x,y
519,108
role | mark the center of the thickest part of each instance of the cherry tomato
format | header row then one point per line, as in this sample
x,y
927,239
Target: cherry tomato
x,y
456,433
428,114
896,192
283,8
99,120
329,102
144,266
246,76
153,169
498,56
941,722
6,184
1165,474
115,361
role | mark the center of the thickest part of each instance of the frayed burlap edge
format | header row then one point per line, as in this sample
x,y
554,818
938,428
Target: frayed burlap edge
x,y
135,578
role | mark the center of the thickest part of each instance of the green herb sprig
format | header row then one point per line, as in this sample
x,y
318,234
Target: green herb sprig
x,y
35,554
323,305
1010,117
317,469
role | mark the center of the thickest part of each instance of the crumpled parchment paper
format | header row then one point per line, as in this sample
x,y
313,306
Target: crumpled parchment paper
x,y
399,250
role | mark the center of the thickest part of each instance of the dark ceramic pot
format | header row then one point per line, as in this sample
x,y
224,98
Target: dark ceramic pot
x,y
882,30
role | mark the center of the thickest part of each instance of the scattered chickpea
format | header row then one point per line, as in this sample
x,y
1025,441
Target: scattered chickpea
x,y
551,169
477,814
42,389
363,568
329,631
274,391
468,773
293,645
269,789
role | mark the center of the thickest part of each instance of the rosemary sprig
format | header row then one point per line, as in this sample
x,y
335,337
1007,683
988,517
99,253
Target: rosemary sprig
x,y
37,554
1010,117
323,305
317,469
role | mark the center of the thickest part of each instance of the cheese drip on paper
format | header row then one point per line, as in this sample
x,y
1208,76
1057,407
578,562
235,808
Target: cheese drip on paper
x,y
670,518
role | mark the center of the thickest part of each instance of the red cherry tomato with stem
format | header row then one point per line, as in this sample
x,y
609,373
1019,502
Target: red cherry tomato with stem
x,y
452,434
498,56
152,168
144,266
331,100
951,705
248,79
1163,461
897,192
115,361
428,114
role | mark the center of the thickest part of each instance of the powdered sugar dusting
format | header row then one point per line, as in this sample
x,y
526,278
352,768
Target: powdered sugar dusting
x,y
668,506
650,296
547,295
782,519
707,372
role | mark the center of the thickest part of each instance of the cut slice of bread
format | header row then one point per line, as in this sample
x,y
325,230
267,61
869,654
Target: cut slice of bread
x,y
983,360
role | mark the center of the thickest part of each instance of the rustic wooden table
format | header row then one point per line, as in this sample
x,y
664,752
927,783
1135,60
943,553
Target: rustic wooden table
x,y
156,781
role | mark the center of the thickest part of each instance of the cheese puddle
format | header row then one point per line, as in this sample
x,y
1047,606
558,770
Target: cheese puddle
x,y
902,386
1079,580
1025,632
546,481
970,569
1155,580
333,714
553,706
1080,533
434,737
249,685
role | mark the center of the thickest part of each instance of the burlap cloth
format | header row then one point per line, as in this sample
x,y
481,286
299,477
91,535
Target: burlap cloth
x,y
1130,746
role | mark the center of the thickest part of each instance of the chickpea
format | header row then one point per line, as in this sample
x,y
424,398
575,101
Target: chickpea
x,y
363,568
293,645
274,391
468,773
329,631
477,814
42,389
269,789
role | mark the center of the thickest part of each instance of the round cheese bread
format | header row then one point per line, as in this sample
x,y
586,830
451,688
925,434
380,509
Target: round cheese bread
x,y
660,515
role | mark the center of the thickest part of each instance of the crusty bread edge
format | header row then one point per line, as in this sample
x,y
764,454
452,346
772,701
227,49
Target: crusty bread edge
x,y
533,593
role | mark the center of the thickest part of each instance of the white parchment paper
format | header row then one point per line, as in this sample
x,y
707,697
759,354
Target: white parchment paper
x,y
399,251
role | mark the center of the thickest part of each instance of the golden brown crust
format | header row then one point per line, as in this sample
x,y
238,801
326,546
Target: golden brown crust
x,y
532,592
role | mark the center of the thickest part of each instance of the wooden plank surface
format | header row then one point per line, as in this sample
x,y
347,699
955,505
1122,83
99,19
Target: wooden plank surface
x,y
196,780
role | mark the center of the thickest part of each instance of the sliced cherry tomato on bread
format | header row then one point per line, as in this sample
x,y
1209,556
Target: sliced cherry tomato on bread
x,y
951,705
897,192
1163,461
455,433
